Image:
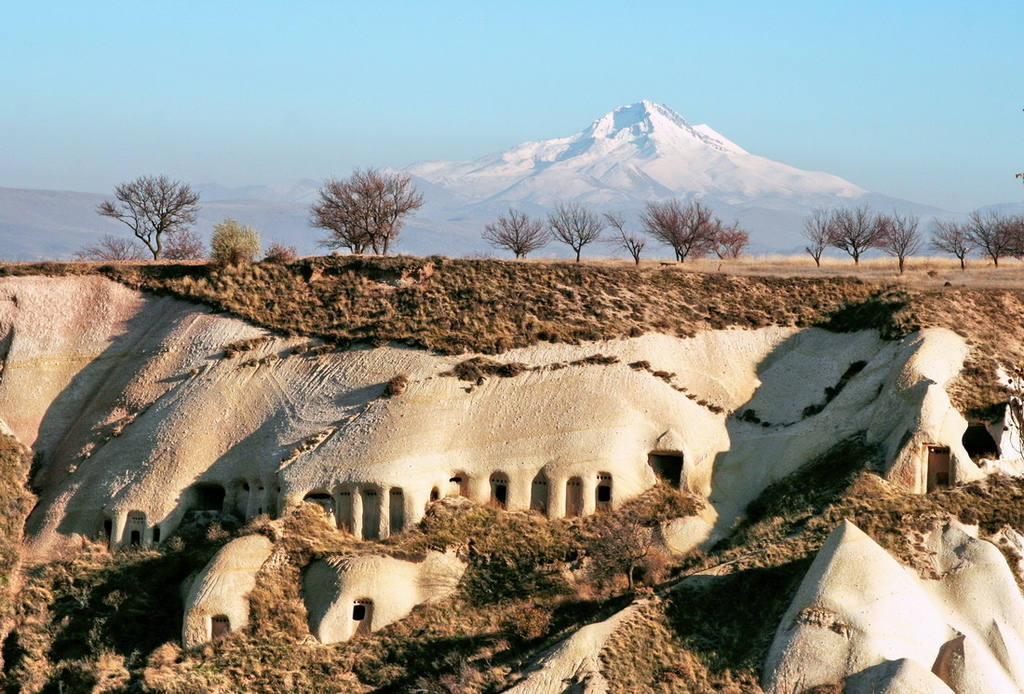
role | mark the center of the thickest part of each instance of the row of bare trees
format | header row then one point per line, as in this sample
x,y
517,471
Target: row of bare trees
x,y
690,229
855,230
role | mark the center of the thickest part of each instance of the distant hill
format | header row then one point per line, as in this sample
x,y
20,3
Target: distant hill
x,y
625,158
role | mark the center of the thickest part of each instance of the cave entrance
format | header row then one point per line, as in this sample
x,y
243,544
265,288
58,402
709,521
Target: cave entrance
x,y
574,497
667,466
979,442
939,467
209,497
220,626
371,514
324,501
604,492
499,489
539,493
396,510
458,485
362,617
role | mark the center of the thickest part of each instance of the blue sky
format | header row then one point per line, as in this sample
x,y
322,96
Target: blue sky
x,y
916,100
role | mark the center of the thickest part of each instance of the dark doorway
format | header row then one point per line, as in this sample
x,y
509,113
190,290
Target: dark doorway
x,y
108,528
396,511
539,493
499,489
667,466
156,534
604,491
979,442
209,497
220,626
939,467
136,538
574,497
371,514
362,615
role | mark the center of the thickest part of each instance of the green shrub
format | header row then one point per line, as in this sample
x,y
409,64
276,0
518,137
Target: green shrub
x,y
233,243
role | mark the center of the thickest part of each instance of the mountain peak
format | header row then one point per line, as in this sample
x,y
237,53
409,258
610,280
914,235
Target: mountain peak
x,y
656,124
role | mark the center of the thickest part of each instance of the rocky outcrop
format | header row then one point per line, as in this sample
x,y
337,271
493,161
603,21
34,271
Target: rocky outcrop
x,y
142,417
861,617
217,601
352,595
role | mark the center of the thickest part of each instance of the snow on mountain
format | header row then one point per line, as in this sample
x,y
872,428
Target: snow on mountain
x,y
633,154
625,158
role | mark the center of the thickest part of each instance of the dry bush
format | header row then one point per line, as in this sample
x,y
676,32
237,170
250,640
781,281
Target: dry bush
x,y
279,253
396,386
526,622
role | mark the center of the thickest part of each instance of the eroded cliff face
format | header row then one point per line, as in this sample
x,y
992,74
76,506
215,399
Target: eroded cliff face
x,y
144,410
139,416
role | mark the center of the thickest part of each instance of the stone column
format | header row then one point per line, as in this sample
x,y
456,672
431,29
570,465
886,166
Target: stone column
x,y
556,497
357,512
589,484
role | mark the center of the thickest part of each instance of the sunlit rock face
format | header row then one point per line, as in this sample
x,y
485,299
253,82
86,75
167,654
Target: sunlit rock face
x,y
861,617
141,421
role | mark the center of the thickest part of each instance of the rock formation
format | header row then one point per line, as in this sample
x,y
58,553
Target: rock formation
x,y
861,617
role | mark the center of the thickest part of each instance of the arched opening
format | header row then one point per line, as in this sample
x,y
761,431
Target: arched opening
x,y
108,529
979,442
220,626
939,467
323,500
458,485
604,491
261,495
396,510
362,617
156,534
208,497
499,489
371,514
539,493
135,526
435,494
345,510
667,466
574,497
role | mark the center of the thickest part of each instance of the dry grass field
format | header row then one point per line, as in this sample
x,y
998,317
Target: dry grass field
x,y
925,272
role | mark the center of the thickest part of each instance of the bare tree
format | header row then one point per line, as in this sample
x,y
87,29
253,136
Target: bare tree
x,y
575,226
730,241
951,237
185,245
818,232
993,233
152,207
620,545
855,230
686,229
517,232
364,211
110,247
900,236
631,242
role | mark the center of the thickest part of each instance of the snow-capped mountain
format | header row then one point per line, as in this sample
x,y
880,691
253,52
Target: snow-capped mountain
x,y
633,154
621,161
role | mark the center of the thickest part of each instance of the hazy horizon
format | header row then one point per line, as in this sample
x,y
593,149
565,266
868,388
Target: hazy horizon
x,y
920,103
